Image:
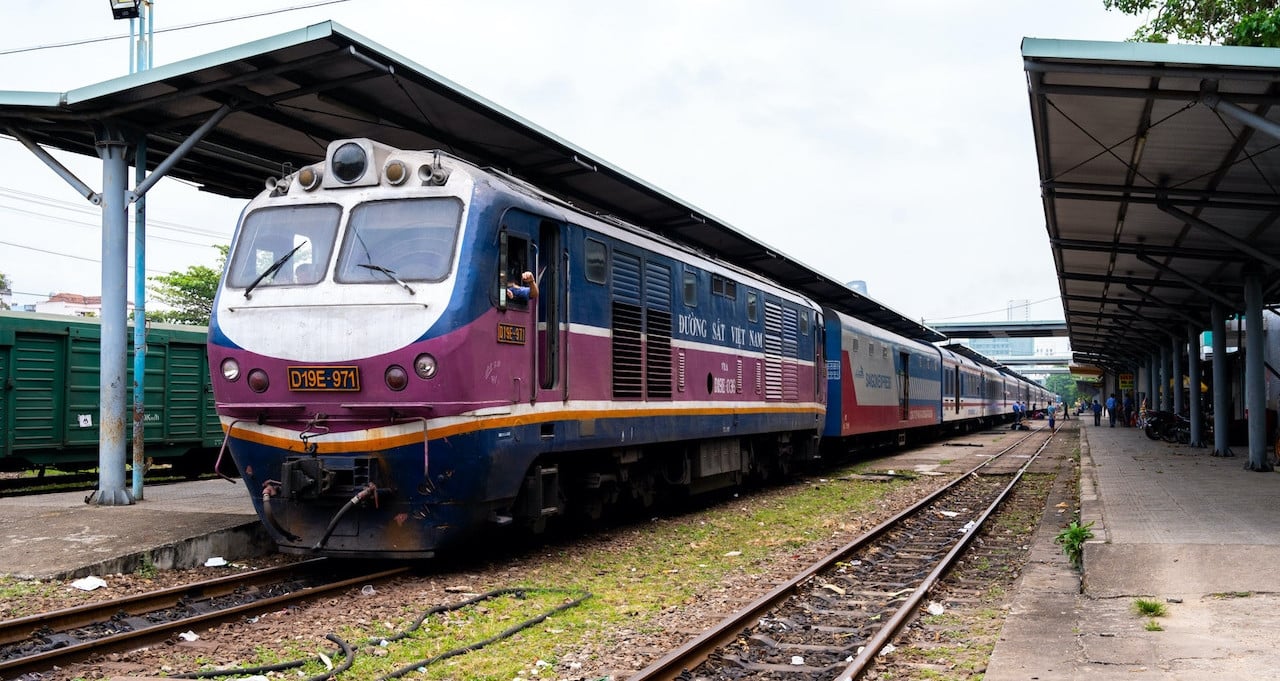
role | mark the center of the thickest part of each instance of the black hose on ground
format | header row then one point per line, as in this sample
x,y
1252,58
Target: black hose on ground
x,y
343,647
346,651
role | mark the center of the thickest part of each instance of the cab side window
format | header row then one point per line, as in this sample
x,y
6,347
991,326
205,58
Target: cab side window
x,y
513,260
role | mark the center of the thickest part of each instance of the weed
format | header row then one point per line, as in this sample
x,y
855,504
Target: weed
x,y
1149,607
1152,625
147,568
1073,538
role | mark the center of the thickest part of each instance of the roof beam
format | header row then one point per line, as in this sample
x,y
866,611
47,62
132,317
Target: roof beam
x,y
1189,282
1135,248
1166,305
1236,243
1174,194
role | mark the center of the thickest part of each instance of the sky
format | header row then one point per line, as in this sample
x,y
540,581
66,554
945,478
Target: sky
x,y
887,142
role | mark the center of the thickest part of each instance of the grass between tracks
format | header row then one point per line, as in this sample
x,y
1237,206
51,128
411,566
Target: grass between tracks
x,y
660,567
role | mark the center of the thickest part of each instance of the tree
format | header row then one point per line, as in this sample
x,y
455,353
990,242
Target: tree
x,y
1254,23
189,293
4,289
1064,386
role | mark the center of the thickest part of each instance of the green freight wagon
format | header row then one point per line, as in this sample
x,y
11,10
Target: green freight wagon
x,y
49,397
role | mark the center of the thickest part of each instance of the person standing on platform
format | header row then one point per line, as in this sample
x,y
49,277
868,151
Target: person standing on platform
x,y
1111,409
1127,413
1097,413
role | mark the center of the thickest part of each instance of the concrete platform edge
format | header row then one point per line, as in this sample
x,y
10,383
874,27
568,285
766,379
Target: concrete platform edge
x,y
246,540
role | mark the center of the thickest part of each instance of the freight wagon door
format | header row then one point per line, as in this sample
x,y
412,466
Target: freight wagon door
x,y
38,394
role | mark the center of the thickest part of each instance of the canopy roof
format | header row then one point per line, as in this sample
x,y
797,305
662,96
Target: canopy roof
x,y
291,94
1160,172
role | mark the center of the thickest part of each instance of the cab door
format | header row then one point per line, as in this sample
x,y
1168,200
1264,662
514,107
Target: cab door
x,y
552,309
517,316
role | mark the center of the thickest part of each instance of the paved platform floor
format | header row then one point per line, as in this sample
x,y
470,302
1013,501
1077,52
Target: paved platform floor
x,y
1173,524
59,536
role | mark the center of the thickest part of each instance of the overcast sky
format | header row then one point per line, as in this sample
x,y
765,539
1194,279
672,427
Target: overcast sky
x,y
888,142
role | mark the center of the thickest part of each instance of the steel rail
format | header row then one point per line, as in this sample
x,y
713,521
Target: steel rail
x,y
142,636
904,613
20,628
674,664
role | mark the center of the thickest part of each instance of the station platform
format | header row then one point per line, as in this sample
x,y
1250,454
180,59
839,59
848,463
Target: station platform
x,y
59,536
1172,524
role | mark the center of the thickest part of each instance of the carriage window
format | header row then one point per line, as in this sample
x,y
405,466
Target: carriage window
x,y
296,237
804,323
753,307
409,240
597,261
690,288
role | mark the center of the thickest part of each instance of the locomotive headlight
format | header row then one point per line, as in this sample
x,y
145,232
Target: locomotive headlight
x,y
425,366
396,377
348,162
396,172
309,178
230,369
258,381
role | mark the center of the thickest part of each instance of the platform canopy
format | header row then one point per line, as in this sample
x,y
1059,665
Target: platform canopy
x,y
1160,177
291,94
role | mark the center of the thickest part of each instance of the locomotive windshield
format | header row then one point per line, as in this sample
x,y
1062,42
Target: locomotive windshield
x,y
268,237
402,240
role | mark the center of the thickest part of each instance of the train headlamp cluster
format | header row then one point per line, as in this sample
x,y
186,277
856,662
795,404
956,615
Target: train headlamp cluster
x,y
354,163
396,378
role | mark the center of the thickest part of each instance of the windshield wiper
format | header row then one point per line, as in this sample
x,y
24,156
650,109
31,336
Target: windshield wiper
x,y
389,273
275,267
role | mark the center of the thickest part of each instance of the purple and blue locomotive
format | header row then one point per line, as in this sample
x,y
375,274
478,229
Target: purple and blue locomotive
x,y
384,393
389,387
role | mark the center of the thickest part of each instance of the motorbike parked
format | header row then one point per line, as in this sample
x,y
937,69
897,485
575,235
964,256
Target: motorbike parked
x,y
1167,426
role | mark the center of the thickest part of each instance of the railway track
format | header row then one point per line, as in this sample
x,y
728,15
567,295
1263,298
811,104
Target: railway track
x,y
40,642
831,620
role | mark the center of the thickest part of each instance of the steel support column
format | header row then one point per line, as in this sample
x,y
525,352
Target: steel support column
x,y
113,151
1166,400
1255,391
1175,370
1153,382
1221,417
139,323
1193,378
